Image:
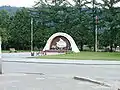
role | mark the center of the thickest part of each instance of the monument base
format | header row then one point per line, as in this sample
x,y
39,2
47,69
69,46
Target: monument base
x,y
53,52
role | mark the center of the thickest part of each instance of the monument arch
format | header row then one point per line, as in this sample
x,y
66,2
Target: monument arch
x,y
61,41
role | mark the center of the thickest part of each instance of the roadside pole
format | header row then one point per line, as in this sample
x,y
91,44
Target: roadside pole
x,y
93,11
0,56
32,53
96,44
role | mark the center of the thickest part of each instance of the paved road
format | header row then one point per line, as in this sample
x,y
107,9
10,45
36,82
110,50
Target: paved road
x,y
48,76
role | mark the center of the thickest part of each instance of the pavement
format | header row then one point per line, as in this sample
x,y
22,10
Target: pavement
x,y
21,73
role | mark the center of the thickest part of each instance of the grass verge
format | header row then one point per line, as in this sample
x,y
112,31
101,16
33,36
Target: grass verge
x,y
86,56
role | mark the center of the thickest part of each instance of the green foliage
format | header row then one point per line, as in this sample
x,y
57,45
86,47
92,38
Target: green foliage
x,y
20,30
4,34
4,24
110,17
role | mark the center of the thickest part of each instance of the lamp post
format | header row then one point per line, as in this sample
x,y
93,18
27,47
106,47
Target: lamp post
x,y
0,57
32,53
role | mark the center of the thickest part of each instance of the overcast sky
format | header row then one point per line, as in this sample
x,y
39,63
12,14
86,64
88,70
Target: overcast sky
x,y
18,3
23,3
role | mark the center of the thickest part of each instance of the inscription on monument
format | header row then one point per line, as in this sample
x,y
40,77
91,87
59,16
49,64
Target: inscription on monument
x,y
60,42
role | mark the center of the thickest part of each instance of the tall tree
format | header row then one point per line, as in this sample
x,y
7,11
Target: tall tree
x,y
20,30
110,18
4,27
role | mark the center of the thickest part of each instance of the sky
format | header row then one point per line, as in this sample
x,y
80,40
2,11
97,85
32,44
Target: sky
x,y
17,3
25,3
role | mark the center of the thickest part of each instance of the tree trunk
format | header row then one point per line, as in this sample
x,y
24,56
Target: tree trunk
x,y
81,47
111,48
115,46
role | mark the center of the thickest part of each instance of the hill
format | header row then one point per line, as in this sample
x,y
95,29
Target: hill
x,y
10,9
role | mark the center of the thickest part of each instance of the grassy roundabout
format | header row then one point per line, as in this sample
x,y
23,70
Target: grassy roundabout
x,y
86,56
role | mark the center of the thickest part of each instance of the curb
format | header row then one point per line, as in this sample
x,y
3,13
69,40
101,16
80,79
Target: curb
x,y
42,62
91,81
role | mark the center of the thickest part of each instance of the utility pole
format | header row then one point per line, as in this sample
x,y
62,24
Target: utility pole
x,y
0,56
32,53
96,28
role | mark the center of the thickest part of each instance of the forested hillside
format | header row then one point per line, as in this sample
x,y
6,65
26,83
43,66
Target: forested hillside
x,y
9,9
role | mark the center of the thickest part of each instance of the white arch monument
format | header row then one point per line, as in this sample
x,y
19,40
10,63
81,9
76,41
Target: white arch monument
x,y
68,37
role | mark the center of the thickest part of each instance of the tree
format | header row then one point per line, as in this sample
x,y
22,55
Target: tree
x,y
110,13
20,30
4,35
4,19
4,27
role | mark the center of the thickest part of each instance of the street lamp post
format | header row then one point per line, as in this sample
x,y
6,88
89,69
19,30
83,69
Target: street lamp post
x,y
32,53
0,57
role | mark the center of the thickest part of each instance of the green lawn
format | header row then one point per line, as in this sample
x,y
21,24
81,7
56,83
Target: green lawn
x,y
86,56
5,51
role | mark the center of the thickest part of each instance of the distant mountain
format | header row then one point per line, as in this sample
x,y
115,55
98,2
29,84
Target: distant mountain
x,y
10,9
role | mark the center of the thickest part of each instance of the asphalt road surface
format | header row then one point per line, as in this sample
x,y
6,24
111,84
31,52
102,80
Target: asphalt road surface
x,y
48,76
